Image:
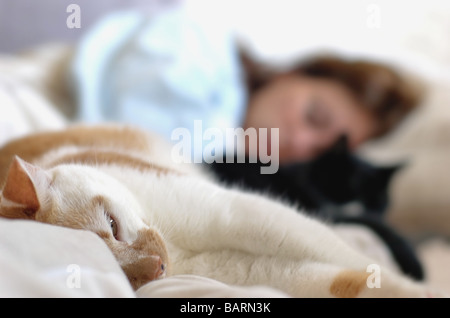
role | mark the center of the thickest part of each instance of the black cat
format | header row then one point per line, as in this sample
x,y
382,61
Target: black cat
x,y
326,187
334,179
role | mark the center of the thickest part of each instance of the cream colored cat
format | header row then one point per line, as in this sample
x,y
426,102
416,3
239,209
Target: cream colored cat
x,y
159,218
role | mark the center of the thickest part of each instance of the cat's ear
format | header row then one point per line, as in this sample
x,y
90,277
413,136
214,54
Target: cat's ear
x,y
388,172
20,197
341,145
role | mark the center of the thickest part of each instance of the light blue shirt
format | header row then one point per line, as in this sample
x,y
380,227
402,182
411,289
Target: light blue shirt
x,y
160,72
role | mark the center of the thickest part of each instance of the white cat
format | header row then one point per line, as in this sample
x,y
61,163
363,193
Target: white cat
x,y
159,218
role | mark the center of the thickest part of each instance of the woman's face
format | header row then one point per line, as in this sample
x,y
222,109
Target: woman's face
x,y
310,113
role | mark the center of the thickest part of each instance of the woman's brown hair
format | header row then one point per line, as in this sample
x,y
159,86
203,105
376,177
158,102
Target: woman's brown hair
x,y
386,94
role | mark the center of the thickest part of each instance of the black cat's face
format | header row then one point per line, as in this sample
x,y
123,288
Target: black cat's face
x,y
372,186
342,177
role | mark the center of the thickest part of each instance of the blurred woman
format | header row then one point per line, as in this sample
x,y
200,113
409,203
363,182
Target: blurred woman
x,y
321,98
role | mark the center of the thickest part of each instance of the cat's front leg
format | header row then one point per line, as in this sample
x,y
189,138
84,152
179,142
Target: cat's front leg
x,y
214,218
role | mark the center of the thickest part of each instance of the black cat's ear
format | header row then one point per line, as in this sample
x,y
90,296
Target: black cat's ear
x,y
388,172
341,145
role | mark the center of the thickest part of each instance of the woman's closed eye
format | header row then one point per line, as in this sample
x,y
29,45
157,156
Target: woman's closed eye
x,y
317,116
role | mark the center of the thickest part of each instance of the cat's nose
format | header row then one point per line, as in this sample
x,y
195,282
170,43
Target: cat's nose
x,y
153,268
145,270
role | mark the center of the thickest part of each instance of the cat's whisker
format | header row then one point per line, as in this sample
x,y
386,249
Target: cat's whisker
x,y
167,232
